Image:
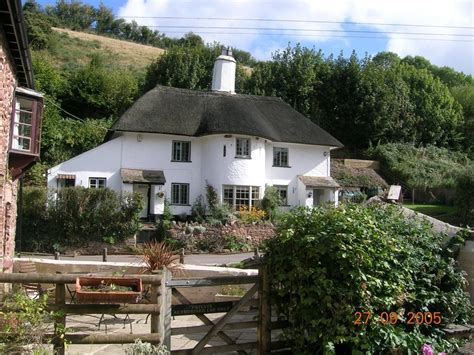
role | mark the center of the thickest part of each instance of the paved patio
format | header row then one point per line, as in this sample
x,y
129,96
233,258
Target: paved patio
x,y
89,323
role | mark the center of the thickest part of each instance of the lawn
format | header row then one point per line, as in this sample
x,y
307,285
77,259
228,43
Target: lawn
x,y
442,212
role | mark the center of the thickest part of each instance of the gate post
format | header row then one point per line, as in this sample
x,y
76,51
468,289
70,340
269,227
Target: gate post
x,y
264,311
60,320
161,295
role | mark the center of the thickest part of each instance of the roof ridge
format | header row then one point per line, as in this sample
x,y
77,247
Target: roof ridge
x,y
215,94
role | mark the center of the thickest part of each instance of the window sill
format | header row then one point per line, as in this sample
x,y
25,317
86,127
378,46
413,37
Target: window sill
x,y
242,157
181,161
177,204
281,166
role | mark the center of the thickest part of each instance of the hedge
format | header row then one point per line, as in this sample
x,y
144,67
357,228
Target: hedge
x,y
74,216
328,263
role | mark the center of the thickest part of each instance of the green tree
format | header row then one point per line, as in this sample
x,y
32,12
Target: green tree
x,y
187,68
464,94
95,91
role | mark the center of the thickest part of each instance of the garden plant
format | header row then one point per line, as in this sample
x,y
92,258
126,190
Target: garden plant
x,y
351,279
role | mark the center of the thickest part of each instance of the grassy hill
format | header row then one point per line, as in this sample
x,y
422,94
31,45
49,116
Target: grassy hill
x,y
75,48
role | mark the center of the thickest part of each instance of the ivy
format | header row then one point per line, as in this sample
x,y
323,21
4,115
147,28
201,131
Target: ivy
x,y
328,263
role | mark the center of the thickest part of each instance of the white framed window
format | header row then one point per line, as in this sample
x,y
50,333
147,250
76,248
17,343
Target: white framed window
x,y
280,156
283,192
242,147
97,183
179,194
181,151
237,196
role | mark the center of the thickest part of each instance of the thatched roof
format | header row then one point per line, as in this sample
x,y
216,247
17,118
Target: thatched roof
x,y
318,181
170,110
355,177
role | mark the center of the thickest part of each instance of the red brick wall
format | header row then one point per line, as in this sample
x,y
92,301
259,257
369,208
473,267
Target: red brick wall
x,y
8,188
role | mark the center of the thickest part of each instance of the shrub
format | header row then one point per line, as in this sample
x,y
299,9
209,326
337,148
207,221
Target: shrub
x,y
199,210
251,214
211,242
140,348
157,255
328,263
465,196
27,323
424,167
222,213
270,202
211,195
235,243
77,215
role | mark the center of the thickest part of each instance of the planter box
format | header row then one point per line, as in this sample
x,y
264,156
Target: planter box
x,y
108,296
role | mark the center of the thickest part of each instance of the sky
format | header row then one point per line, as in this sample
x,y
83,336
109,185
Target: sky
x,y
441,31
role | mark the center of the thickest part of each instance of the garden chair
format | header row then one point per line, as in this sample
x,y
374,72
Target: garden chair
x,y
33,290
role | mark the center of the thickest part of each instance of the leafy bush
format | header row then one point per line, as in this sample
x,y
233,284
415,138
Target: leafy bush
x,y
424,167
27,323
213,243
235,243
77,215
211,196
328,263
199,210
270,202
251,214
221,213
465,196
140,348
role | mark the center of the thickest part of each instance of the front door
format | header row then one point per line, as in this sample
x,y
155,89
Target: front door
x,y
317,196
143,189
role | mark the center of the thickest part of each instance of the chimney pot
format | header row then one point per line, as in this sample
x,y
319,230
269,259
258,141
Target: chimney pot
x,y
223,74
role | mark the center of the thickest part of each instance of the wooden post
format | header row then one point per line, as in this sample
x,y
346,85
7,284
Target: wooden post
x,y
181,256
104,255
264,312
161,295
60,321
56,256
165,311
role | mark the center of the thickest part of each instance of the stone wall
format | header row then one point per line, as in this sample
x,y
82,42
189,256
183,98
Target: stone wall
x,y
8,188
197,236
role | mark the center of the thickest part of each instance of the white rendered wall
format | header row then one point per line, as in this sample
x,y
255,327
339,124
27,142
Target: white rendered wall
x,y
153,152
218,170
102,161
303,159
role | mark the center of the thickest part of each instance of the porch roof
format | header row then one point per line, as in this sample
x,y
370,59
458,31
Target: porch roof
x,y
319,181
143,176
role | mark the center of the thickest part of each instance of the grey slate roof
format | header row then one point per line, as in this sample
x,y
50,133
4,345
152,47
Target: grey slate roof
x,y
196,113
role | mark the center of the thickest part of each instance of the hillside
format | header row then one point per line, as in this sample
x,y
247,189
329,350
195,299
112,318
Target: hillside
x,y
77,47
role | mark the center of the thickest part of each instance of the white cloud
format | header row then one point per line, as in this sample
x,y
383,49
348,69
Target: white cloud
x,y
427,12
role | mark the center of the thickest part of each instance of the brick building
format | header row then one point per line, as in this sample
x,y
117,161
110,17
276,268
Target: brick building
x,y
20,120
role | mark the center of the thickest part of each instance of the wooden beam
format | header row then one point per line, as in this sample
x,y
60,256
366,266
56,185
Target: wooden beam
x,y
206,328
104,308
219,349
66,278
222,322
264,313
179,296
111,338
60,321
213,281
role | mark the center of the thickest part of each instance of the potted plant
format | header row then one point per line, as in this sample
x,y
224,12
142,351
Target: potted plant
x,y
108,289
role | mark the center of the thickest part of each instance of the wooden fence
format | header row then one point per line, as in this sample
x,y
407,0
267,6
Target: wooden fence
x,y
163,289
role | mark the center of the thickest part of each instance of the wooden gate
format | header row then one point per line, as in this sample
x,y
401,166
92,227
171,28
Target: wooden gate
x,y
258,316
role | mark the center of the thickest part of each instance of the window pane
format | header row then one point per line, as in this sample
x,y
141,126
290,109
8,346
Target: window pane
x,y
229,195
24,104
242,196
175,193
280,156
242,147
184,194
21,143
255,195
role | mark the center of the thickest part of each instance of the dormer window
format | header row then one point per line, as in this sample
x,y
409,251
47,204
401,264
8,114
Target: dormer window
x,y
242,148
25,130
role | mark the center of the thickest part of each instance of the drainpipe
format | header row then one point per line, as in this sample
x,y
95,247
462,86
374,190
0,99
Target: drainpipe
x,y
19,227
